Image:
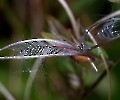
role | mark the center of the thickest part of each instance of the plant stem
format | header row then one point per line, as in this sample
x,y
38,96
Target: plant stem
x,y
5,92
31,78
95,83
71,17
88,90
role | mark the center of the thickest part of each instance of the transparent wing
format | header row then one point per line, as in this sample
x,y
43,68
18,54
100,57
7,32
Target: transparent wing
x,y
110,30
37,48
103,32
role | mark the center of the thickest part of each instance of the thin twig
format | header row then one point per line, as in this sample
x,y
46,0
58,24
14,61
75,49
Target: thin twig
x,y
31,78
71,17
88,91
84,95
5,92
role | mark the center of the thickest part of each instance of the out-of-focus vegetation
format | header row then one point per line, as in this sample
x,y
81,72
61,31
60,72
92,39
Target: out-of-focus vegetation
x,y
58,78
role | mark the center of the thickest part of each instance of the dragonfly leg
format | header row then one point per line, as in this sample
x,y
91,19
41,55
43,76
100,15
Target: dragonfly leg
x,y
93,65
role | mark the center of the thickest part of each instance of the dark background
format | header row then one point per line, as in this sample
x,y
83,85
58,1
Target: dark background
x,y
26,19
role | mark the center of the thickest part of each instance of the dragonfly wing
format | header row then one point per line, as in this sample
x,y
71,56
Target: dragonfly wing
x,y
109,30
36,48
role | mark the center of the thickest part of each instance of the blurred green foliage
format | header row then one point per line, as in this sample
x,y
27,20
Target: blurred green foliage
x,y
58,78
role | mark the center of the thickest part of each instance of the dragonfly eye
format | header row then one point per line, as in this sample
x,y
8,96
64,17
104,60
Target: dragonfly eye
x,y
80,47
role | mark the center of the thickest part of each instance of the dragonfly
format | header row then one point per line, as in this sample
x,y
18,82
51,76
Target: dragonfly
x,y
41,48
